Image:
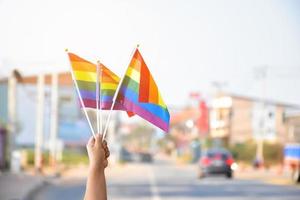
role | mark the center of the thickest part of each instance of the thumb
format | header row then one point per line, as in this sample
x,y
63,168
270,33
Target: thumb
x,y
91,142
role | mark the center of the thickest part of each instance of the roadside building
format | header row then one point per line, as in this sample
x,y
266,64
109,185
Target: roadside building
x,y
292,125
236,119
3,122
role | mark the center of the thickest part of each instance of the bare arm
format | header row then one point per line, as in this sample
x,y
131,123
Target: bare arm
x,y
96,184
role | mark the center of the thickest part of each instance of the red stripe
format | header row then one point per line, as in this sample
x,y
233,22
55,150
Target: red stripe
x,y
144,84
73,57
104,105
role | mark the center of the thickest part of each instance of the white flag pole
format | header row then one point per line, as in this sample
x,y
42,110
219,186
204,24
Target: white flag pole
x,y
99,110
115,97
81,101
97,96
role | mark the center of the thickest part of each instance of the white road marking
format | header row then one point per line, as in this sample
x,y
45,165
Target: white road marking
x,y
153,185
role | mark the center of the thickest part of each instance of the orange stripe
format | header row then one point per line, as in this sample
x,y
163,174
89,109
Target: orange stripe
x,y
83,66
106,79
153,94
107,72
74,57
135,64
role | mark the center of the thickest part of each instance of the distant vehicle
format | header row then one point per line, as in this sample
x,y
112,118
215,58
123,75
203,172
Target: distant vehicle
x,y
292,160
145,157
216,161
125,155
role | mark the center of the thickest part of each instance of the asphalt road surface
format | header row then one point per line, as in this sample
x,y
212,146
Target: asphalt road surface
x,y
168,182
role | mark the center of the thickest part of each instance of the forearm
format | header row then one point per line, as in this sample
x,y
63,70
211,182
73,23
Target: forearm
x,y
96,185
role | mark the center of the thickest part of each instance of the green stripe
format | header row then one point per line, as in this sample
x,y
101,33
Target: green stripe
x,y
107,92
130,83
86,85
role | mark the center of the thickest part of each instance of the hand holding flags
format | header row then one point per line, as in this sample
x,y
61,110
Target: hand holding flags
x,y
137,92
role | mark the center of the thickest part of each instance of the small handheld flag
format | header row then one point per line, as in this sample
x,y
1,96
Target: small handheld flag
x,y
86,77
74,60
139,94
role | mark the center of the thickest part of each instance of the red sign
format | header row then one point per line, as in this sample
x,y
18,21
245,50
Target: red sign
x,y
203,120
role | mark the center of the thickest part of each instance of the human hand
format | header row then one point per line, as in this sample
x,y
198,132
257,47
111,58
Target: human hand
x,y
98,153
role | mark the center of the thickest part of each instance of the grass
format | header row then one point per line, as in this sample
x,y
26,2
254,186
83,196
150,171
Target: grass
x,y
69,157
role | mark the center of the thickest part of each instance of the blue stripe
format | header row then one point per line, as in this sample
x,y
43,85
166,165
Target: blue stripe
x,y
86,94
106,98
153,108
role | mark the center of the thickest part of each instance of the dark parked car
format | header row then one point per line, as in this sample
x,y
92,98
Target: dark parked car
x,y
216,161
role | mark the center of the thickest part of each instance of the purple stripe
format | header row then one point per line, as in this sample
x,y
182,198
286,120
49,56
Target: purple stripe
x,y
145,114
86,94
105,105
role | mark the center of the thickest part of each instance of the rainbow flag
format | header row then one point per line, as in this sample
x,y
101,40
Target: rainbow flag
x,y
85,74
139,94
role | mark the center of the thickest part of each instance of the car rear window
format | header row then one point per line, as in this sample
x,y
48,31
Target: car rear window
x,y
212,154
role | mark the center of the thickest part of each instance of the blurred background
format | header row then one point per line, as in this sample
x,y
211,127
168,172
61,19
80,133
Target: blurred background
x,y
227,69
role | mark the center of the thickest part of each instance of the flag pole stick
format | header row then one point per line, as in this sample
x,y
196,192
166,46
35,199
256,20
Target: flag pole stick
x,y
81,101
115,97
97,97
100,95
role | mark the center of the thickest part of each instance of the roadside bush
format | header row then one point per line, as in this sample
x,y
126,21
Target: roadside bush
x,y
69,157
245,152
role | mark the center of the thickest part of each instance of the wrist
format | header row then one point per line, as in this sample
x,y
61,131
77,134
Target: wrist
x,y
96,168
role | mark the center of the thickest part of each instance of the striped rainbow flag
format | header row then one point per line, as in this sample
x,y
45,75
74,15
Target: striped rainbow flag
x,y
85,74
139,94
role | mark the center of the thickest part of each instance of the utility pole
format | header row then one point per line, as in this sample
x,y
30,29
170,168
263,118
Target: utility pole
x,y
39,122
261,74
54,119
12,114
219,87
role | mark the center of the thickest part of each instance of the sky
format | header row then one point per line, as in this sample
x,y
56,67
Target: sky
x,y
187,44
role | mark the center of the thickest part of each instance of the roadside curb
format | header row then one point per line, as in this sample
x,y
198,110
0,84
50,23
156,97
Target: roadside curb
x,y
46,181
271,180
32,192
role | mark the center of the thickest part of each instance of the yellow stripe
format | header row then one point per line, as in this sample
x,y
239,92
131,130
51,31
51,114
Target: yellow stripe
x,y
85,76
161,101
83,66
133,74
109,86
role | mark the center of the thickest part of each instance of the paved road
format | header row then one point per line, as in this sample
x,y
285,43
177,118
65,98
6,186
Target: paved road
x,y
169,182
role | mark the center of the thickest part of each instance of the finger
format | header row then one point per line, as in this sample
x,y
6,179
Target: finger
x,y
105,163
98,138
104,145
91,142
107,153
